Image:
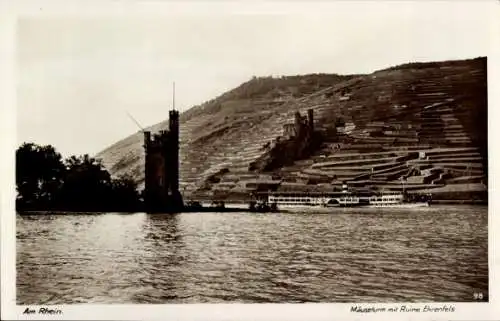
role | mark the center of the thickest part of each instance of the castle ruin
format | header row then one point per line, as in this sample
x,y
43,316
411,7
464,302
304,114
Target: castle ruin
x,y
299,139
302,127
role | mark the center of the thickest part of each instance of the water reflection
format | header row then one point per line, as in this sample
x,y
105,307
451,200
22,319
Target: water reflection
x,y
162,256
439,254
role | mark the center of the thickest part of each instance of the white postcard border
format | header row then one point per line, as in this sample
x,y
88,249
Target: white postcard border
x,y
13,9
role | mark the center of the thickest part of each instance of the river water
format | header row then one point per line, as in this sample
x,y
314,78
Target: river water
x,y
363,255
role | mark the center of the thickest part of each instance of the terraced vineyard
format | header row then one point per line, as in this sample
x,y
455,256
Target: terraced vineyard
x,y
422,127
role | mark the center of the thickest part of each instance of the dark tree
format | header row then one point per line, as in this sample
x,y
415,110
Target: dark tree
x,y
87,184
124,195
39,175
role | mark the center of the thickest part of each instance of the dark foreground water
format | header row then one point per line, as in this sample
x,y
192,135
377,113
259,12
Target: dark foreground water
x,y
431,254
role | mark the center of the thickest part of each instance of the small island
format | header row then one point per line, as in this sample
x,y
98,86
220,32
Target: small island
x,y
47,182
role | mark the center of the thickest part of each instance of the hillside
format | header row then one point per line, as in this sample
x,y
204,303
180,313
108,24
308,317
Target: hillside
x,y
425,123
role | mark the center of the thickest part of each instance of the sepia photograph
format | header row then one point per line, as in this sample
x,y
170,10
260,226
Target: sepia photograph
x,y
253,154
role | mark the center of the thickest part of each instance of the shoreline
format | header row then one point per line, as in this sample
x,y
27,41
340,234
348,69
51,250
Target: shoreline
x,y
436,203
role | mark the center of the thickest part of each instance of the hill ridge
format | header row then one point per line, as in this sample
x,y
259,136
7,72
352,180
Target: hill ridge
x,y
424,107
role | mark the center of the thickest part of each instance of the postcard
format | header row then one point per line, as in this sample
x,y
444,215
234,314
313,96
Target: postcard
x,y
275,160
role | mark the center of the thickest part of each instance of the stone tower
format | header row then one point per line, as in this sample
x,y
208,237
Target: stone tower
x,y
161,191
310,118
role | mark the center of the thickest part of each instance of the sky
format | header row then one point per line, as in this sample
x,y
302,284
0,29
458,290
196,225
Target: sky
x,y
78,76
